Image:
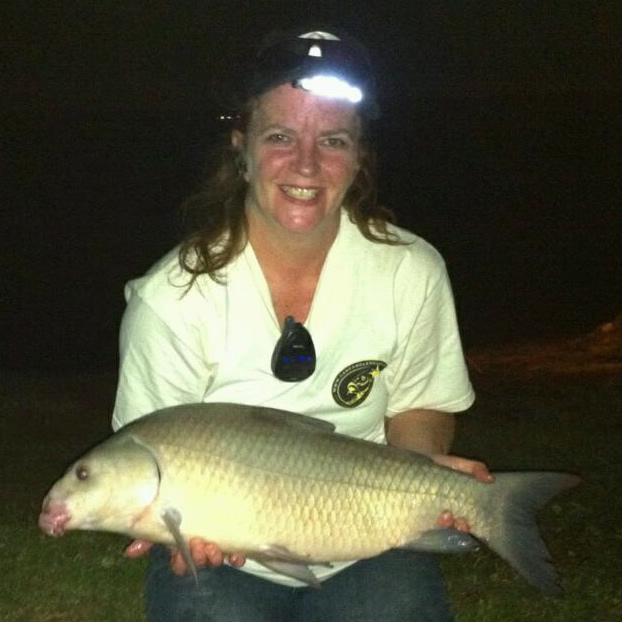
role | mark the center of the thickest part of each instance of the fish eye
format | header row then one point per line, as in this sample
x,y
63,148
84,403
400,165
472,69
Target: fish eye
x,y
82,472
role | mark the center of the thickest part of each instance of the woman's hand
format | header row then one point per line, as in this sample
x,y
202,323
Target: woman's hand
x,y
476,469
431,432
203,553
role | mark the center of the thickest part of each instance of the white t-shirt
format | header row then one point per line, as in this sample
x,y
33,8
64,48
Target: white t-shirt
x,y
382,321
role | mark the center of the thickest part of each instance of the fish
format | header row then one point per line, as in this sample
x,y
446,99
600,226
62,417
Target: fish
x,y
287,491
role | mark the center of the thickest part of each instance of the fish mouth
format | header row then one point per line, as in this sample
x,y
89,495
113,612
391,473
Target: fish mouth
x,y
300,193
54,519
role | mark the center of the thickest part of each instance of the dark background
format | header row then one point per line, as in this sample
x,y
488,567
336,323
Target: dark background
x,y
500,142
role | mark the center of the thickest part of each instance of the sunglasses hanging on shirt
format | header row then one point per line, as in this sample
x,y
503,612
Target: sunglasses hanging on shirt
x,y
293,358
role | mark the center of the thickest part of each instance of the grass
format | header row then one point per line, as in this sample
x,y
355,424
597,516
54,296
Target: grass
x,y
81,578
549,408
545,407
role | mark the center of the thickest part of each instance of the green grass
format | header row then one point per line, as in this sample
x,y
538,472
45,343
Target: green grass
x,y
529,415
546,410
82,577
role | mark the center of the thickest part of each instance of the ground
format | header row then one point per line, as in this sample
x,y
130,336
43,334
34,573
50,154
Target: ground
x,y
553,406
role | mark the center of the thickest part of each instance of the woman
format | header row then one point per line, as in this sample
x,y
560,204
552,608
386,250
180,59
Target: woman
x,y
287,244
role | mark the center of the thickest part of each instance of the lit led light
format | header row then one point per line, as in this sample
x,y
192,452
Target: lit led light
x,y
331,86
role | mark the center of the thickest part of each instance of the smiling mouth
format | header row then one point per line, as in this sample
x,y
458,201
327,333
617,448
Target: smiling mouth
x,y
302,194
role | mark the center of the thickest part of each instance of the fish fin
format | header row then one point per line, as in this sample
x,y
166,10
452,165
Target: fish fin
x,y
443,541
291,418
281,553
172,520
283,561
297,571
514,533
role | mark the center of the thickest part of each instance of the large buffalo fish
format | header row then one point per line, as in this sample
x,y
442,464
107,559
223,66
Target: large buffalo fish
x,y
287,491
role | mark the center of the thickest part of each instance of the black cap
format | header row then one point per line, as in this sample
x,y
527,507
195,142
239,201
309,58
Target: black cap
x,y
291,56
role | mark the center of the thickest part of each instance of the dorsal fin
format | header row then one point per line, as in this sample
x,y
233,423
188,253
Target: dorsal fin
x,y
284,417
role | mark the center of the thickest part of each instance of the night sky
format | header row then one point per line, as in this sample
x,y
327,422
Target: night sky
x,y
500,142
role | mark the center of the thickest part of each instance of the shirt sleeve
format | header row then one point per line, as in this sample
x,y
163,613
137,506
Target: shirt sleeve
x,y
160,366
428,369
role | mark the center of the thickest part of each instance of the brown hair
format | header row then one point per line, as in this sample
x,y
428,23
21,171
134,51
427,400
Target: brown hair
x,y
214,219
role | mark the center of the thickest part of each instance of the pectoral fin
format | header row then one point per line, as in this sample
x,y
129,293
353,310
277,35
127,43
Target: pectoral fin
x,y
443,541
172,520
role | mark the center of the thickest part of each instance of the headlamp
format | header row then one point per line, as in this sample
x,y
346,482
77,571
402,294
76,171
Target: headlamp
x,y
319,62
330,86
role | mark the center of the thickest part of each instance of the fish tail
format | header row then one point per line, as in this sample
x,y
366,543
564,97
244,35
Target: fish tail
x,y
514,532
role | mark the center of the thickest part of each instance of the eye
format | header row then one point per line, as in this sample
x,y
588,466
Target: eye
x,y
82,472
278,139
334,141
338,142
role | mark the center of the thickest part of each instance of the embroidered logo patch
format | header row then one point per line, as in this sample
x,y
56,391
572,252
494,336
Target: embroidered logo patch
x,y
354,383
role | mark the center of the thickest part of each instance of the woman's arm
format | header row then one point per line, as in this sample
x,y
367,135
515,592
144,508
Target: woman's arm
x,y
431,432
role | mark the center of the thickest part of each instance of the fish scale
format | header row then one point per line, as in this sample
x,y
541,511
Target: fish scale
x,y
288,491
315,473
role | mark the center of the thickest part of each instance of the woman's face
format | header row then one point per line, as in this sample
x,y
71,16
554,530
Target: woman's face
x,y
301,153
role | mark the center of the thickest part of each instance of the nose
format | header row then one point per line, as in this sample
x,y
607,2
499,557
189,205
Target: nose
x,y
306,161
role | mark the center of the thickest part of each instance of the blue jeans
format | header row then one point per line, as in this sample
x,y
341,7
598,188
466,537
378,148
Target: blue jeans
x,y
397,586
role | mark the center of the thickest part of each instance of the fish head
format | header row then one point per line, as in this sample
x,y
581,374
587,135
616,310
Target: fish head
x,y
107,489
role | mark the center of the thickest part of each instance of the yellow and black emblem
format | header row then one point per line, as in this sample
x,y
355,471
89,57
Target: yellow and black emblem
x,y
354,383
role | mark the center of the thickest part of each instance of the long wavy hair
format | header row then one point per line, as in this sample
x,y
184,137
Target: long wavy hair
x,y
214,225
